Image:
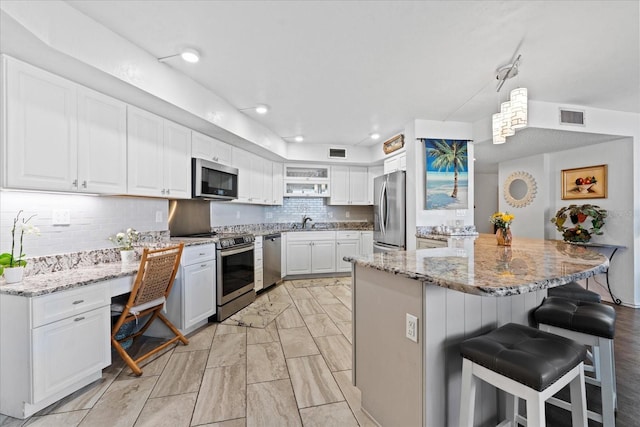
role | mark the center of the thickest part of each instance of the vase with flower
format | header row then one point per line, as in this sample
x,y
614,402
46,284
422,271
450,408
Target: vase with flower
x,y
125,241
12,264
502,221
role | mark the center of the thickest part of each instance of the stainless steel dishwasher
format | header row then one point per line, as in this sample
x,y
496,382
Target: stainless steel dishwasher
x,y
272,262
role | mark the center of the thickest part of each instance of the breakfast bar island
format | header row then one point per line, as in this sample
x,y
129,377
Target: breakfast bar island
x,y
412,309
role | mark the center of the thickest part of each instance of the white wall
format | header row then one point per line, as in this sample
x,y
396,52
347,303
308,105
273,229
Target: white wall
x,y
416,166
486,191
618,155
93,220
529,220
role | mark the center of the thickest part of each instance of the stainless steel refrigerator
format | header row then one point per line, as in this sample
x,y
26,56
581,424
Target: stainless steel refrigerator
x,y
389,212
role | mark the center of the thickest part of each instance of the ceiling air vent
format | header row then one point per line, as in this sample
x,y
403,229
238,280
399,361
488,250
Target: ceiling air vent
x,y
571,117
337,153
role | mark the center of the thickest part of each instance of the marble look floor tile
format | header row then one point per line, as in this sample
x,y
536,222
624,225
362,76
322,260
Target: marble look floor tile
x,y
227,350
121,404
339,291
66,419
222,395
6,421
277,290
258,314
281,298
328,300
299,293
312,381
265,362
297,342
153,366
88,395
230,329
174,411
347,330
319,293
338,312
333,414
321,325
308,306
200,339
182,374
346,300
336,351
261,335
238,422
353,396
272,404
290,318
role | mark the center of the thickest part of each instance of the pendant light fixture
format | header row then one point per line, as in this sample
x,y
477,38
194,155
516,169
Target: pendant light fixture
x,y
513,114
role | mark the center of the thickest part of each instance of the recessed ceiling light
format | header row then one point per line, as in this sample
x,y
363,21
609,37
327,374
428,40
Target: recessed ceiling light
x,y
262,109
190,55
375,136
299,138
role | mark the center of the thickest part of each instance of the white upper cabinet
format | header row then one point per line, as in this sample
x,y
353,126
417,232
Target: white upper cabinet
x,y
177,161
259,179
41,145
349,185
158,156
372,172
205,147
278,183
396,163
62,136
102,143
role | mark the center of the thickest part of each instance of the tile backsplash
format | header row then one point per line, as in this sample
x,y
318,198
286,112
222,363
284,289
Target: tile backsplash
x,y
92,220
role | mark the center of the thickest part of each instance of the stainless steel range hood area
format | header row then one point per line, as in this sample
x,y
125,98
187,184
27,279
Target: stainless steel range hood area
x,y
188,217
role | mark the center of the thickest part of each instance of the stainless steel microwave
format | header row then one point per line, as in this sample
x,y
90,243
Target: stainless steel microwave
x,y
213,180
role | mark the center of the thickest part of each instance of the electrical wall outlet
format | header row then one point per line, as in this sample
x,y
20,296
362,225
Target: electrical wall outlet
x,y
269,215
61,217
237,214
412,327
158,216
461,212
347,214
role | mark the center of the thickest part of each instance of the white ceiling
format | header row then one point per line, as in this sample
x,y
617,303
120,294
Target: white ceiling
x,y
337,71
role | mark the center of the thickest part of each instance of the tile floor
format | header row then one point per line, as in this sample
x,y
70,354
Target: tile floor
x,y
294,371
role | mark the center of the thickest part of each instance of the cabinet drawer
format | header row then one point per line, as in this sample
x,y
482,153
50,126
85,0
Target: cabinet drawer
x,y
311,235
347,235
69,350
59,305
198,253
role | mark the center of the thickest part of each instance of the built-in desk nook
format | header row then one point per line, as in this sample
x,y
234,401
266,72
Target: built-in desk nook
x,y
411,377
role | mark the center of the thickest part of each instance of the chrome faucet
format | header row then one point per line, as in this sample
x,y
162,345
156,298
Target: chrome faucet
x,y
305,218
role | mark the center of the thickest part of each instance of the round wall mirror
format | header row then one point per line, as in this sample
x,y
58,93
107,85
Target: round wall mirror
x,y
520,189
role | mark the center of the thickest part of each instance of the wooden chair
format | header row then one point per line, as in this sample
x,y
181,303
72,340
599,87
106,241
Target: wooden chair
x,y
151,288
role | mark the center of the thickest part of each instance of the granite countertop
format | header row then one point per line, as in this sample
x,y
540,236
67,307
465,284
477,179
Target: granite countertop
x,y
492,270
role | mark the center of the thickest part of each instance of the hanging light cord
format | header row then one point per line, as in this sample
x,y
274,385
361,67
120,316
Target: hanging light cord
x,y
468,100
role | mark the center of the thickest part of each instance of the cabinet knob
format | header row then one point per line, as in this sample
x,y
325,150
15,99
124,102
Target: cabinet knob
x,y
202,254
80,301
84,184
203,265
168,191
77,319
162,191
75,183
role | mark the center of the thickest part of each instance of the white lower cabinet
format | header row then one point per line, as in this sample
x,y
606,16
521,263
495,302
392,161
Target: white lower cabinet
x,y
193,296
47,356
347,244
424,243
311,252
258,263
366,242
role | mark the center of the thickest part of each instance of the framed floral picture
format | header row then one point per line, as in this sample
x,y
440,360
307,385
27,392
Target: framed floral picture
x,y
584,183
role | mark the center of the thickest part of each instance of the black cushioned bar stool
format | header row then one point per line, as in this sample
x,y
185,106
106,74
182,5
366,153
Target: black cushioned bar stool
x,y
574,291
593,325
526,363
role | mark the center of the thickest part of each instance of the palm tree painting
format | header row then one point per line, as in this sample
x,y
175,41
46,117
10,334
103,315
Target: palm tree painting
x,y
446,174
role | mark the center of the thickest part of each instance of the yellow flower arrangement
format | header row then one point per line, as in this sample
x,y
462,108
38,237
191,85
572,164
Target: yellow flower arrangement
x,y
502,219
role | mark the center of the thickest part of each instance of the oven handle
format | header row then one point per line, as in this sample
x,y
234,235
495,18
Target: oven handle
x,y
227,252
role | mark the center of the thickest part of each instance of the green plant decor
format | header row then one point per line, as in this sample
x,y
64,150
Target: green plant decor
x,y
21,227
578,214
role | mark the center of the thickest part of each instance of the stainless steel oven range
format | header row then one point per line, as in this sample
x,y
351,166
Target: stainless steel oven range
x,y
235,274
